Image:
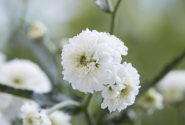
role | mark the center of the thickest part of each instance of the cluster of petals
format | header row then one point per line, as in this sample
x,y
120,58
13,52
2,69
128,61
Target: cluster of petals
x,y
23,74
60,118
32,114
151,101
90,59
172,86
91,62
123,92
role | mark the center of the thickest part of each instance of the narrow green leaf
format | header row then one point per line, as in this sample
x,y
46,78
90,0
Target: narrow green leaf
x,y
46,61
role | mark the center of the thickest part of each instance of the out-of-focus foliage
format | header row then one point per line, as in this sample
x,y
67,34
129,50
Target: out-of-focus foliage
x,y
153,30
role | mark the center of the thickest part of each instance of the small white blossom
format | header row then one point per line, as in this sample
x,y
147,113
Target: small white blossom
x,y
37,30
22,74
32,115
128,80
89,64
151,100
172,86
60,118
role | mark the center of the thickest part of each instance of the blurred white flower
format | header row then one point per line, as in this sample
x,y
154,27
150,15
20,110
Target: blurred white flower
x,y
89,65
128,82
32,115
151,100
172,86
2,58
3,120
22,74
37,30
55,15
59,118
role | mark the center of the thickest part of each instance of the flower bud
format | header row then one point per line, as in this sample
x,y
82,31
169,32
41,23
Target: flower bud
x,y
37,30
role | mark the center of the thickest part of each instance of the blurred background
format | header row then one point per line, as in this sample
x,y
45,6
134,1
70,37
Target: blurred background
x,y
153,31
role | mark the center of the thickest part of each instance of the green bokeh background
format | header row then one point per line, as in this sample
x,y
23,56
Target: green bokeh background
x,y
153,31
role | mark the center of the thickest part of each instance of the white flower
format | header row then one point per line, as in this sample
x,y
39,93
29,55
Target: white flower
x,y
32,116
22,74
172,86
60,118
151,100
89,65
128,81
3,120
37,30
2,58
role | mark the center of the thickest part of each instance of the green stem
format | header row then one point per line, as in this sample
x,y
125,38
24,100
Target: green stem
x,y
85,104
113,15
62,105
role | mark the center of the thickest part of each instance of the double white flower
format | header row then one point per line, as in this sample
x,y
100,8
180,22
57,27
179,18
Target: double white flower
x,y
125,89
91,62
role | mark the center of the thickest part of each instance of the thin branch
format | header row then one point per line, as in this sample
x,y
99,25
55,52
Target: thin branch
x,y
18,92
113,15
62,105
161,74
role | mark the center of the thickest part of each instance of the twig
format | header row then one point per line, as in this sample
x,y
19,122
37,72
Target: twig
x,y
18,92
113,15
163,72
62,105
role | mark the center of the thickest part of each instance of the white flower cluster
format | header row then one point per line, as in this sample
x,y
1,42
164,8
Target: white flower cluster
x,y
172,86
123,92
24,74
91,62
32,114
151,100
